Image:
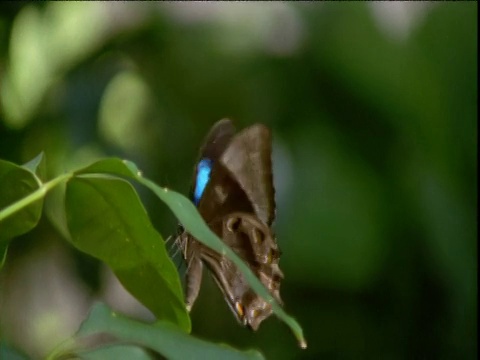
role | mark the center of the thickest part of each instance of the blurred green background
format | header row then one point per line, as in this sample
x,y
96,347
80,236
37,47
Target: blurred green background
x,y
373,107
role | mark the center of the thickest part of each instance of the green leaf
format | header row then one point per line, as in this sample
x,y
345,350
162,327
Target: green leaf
x,y
188,215
107,220
112,166
163,337
16,183
116,352
37,166
3,252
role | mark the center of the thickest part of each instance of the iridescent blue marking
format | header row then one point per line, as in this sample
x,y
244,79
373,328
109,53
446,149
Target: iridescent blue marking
x,y
204,168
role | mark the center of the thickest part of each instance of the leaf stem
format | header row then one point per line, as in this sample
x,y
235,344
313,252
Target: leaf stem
x,y
34,196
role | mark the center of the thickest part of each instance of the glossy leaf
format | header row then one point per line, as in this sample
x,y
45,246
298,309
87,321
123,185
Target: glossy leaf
x,y
116,352
113,166
107,220
164,337
17,182
188,215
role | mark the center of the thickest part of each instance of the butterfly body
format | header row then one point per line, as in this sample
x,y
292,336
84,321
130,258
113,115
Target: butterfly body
x,y
233,190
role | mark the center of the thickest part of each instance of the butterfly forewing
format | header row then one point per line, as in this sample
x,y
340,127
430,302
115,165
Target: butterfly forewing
x,y
248,159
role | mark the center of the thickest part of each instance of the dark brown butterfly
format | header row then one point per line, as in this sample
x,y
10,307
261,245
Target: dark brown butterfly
x,y
233,191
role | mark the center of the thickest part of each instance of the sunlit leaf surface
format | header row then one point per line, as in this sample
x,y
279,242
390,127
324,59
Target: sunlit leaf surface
x,y
107,220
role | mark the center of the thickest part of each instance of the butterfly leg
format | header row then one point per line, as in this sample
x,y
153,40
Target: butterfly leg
x,y
193,277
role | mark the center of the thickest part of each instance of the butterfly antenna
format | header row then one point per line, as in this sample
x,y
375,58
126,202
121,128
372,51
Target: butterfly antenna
x,y
176,251
172,247
169,239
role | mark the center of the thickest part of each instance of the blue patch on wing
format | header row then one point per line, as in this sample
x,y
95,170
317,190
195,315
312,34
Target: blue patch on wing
x,y
204,168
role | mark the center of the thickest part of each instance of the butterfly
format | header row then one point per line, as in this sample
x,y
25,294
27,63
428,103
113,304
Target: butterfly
x,y
233,191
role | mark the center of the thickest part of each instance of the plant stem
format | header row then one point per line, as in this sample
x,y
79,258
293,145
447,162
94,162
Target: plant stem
x,y
34,196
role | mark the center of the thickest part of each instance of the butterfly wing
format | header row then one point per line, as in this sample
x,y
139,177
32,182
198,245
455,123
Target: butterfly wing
x,y
233,184
241,175
208,171
254,242
248,160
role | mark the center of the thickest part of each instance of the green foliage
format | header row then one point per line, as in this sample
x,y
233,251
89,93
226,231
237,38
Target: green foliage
x,y
17,182
373,108
106,220
164,338
116,352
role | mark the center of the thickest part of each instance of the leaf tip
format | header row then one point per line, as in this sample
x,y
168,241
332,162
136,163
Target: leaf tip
x,y
133,168
303,343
